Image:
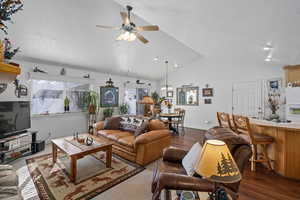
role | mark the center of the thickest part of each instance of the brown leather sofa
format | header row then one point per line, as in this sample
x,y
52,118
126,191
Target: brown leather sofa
x,y
170,175
142,149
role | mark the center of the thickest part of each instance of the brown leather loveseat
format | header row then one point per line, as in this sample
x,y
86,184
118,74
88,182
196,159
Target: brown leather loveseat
x,y
141,149
170,174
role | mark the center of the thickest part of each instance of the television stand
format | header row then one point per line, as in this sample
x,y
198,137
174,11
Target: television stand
x,y
14,147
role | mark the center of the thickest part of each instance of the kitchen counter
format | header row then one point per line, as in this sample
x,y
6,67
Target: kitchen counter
x,y
286,149
285,125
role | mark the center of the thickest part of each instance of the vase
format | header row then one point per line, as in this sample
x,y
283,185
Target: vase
x,y
274,117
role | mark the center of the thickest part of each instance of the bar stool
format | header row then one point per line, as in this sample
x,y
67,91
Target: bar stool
x,y
242,126
224,120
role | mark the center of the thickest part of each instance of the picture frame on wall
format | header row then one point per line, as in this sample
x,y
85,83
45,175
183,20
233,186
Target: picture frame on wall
x,y
207,101
170,94
187,96
207,92
274,84
109,96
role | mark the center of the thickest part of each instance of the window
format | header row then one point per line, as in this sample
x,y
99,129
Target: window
x,y
48,96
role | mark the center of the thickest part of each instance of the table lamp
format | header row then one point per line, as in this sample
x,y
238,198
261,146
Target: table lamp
x,y
147,101
216,163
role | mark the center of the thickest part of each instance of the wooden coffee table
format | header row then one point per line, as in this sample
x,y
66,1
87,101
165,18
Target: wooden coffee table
x,y
75,153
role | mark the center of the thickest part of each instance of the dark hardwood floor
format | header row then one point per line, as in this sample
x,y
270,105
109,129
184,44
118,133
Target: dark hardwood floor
x,y
259,185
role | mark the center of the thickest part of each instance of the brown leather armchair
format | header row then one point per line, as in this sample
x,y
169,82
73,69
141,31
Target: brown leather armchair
x,y
170,175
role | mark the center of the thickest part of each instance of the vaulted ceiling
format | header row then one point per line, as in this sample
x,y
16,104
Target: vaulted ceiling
x,y
64,33
231,30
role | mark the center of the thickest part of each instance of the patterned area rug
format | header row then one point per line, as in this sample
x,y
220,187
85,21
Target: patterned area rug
x,y
52,181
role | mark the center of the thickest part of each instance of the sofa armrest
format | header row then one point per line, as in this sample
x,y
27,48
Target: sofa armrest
x,y
174,155
98,126
151,136
172,181
149,146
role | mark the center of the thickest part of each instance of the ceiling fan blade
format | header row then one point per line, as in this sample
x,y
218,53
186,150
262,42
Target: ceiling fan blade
x,y
108,27
141,38
147,28
124,17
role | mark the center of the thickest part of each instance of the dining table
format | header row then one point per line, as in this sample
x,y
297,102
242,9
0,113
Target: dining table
x,y
170,117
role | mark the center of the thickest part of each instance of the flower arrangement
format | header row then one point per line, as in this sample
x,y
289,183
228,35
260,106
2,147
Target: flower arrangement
x,y
7,9
168,104
274,101
9,53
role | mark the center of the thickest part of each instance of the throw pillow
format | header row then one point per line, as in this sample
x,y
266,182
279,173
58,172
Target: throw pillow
x,y
190,159
142,129
130,123
112,123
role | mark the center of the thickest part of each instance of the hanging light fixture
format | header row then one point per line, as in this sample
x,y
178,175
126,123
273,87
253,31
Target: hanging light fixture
x,y
127,36
167,87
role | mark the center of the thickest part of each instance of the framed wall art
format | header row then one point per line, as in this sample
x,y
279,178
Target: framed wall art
x,y
207,92
170,94
188,96
109,96
274,84
207,101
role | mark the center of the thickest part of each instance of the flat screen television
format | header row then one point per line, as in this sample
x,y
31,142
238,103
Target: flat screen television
x,y
14,117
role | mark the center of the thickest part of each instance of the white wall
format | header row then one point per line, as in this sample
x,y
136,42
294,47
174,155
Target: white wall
x,y
64,124
221,77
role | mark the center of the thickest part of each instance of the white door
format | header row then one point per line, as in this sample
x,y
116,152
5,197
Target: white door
x,y
247,99
130,99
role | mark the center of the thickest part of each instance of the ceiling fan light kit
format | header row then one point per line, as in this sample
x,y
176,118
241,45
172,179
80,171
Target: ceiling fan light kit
x,y
130,32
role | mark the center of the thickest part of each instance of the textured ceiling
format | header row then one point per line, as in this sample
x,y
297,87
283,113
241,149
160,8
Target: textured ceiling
x,y
63,32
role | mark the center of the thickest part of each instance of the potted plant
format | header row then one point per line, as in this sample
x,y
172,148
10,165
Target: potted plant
x,y
157,101
107,112
156,98
9,52
92,102
66,104
124,108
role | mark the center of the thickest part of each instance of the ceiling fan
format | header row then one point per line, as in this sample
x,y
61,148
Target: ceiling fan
x,y
129,30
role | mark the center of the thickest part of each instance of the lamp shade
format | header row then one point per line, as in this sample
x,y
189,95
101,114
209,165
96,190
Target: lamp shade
x,y
217,164
147,100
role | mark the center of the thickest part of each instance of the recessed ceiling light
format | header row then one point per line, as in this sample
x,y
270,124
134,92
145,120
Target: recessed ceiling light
x,y
268,59
176,65
155,59
268,47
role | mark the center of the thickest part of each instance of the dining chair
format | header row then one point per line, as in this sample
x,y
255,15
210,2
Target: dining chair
x,y
179,122
242,127
177,110
225,120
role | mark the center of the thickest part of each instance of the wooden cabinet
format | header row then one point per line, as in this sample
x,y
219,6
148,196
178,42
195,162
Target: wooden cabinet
x,y
292,74
285,152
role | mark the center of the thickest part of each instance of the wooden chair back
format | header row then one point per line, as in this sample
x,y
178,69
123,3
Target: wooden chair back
x,y
224,120
242,126
177,110
182,115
